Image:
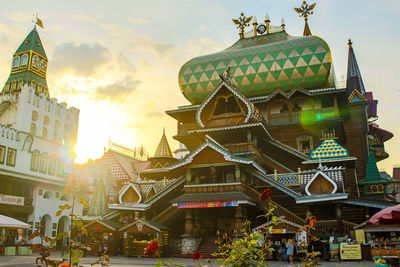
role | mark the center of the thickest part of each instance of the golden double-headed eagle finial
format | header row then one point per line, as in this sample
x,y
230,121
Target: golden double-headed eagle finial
x,y
304,11
242,22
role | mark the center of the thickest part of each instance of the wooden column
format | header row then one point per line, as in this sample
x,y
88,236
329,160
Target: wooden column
x,y
188,222
335,104
238,218
339,218
237,172
188,176
290,111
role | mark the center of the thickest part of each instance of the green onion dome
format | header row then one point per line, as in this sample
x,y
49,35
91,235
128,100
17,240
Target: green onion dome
x,y
261,65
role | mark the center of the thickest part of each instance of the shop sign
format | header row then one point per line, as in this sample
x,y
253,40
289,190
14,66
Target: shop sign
x,y
350,252
215,204
301,238
139,227
360,235
11,200
277,231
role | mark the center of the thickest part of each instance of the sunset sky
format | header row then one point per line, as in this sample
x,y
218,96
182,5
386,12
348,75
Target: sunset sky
x,y
118,61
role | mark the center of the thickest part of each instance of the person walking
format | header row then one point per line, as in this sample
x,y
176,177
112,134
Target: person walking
x,y
290,250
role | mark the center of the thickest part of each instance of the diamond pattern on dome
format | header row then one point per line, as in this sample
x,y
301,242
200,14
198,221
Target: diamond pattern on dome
x,y
260,65
329,149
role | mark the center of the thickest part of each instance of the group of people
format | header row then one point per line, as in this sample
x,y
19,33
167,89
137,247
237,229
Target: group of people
x,y
287,248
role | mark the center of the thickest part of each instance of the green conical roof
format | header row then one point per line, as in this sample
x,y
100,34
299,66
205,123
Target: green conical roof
x,y
32,42
372,175
29,66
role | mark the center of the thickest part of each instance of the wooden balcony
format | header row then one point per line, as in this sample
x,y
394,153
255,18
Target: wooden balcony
x,y
184,128
240,148
305,116
215,188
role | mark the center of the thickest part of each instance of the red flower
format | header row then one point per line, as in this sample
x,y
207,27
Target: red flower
x,y
152,249
266,195
196,256
312,220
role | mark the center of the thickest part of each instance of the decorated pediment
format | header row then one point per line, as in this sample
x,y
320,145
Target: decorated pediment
x,y
226,106
320,184
129,194
211,152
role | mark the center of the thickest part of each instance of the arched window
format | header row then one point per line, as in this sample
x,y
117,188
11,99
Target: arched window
x,y
380,188
284,108
65,198
35,160
60,168
15,62
43,163
33,129
11,157
52,165
55,136
48,195
44,132
24,60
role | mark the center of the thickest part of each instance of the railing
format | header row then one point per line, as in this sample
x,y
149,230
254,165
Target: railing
x,y
210,188
239,148
184,128
280,210
303,116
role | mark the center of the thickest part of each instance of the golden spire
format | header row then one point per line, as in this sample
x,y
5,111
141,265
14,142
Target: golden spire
x,y
304,11
242,23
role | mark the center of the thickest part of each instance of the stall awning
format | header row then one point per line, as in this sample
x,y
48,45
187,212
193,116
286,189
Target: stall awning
x,y
10,223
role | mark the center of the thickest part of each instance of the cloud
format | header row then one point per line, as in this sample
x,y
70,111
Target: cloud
x,y
117,91
83,59
138,21
21,17
144,43
85,18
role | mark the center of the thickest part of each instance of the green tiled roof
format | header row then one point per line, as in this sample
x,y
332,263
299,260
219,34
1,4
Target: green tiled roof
x,y
261,65
32,42
329,149
372,175
34,76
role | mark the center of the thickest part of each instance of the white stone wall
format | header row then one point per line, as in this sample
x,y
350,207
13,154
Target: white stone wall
x,y
17,112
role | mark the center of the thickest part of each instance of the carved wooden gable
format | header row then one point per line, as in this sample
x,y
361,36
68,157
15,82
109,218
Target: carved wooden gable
x,y
208,156
224,106
321,184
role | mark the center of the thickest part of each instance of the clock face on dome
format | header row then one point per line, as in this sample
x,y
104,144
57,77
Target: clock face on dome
x,y
43,65
35,61
261,29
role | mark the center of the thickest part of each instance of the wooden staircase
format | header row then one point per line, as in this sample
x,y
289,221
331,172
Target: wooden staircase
x,y
208,246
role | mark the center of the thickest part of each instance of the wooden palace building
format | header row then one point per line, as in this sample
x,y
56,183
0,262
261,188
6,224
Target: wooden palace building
x,y
266,113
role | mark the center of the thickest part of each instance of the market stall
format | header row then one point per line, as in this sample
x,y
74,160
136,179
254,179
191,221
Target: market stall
x,y
278,235
12,241
139,234
382,233
102,236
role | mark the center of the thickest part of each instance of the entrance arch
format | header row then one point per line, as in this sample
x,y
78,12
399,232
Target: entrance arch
x,y
62,226
46,225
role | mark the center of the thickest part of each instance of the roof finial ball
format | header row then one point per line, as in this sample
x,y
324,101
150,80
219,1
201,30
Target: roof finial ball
x,y
242,22
350,43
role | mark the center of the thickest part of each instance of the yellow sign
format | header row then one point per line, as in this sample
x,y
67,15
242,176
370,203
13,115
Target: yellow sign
x,y
360,236
277,231
350,252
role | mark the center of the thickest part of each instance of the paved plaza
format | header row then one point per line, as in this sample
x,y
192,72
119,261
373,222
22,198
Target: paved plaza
x,y
20,261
